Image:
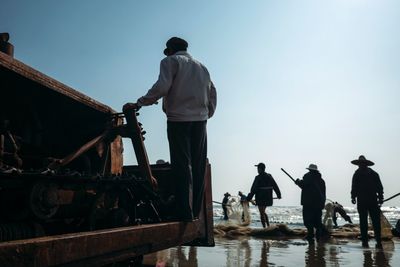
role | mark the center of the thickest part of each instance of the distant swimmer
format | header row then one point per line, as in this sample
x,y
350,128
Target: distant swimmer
x,y
367,192
337,208
262,188
225,205
313,197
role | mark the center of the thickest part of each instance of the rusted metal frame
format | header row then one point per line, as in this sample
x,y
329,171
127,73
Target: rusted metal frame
x,y
120,256
135,133
1,149
124,243
92,143
206,214
106,159
208,208
27,72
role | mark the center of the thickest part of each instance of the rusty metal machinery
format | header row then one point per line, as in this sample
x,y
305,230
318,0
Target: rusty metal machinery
x,y
55,199
34,204
62,179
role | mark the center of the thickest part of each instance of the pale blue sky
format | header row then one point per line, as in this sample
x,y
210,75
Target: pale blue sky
x,y
298,82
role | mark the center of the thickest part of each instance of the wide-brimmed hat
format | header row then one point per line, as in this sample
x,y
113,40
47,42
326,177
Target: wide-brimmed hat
x,y
227,194
313,167
175,44
362,161
261,165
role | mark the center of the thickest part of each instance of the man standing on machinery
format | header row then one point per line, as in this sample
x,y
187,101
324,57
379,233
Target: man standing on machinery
x,y
189,100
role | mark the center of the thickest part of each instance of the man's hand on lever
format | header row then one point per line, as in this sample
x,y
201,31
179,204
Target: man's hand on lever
x,y
128,106
154,182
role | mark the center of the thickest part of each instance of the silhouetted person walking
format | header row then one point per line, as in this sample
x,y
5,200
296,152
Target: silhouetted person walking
x,y
189,100
313,197
262,188
367,192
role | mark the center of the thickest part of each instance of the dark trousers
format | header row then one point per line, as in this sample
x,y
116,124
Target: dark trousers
x,y
344,216
224,208
375,213
188,152
312,219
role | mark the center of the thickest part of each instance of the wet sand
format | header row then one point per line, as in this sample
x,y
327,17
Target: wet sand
x,y
251,245
252,251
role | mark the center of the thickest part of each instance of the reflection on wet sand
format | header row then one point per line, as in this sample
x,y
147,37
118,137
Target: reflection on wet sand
x,y
275,252
379,257
333,255
240,253
264,254
179,258
315,256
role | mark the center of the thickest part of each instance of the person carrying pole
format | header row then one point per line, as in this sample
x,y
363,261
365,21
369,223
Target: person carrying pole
x,y
262,187
313,197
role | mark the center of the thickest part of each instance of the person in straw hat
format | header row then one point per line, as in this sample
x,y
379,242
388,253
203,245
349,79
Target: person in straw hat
x,y
367,192
313,197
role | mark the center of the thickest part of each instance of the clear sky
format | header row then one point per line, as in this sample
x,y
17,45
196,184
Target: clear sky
x,y
298,82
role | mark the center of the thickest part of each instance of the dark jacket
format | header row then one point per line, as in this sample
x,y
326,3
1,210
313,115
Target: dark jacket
x,y
225,201
366,186
262,187
313,193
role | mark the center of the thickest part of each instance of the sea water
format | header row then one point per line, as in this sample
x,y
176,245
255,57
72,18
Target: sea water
x,y
292,215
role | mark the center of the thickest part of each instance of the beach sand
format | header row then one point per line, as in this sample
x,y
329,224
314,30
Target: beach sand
x,y
252,251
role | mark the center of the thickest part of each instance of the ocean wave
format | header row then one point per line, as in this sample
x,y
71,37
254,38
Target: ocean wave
x,y
292,215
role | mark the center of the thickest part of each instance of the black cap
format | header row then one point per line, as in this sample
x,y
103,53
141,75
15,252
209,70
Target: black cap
x,y
261,165
175,44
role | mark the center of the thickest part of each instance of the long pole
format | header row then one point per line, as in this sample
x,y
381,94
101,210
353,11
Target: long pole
x,y
398,194
221,203
288,175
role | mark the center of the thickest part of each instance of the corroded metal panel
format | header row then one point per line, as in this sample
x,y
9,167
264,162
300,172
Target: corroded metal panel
x,y
116,159
13,65
89,247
